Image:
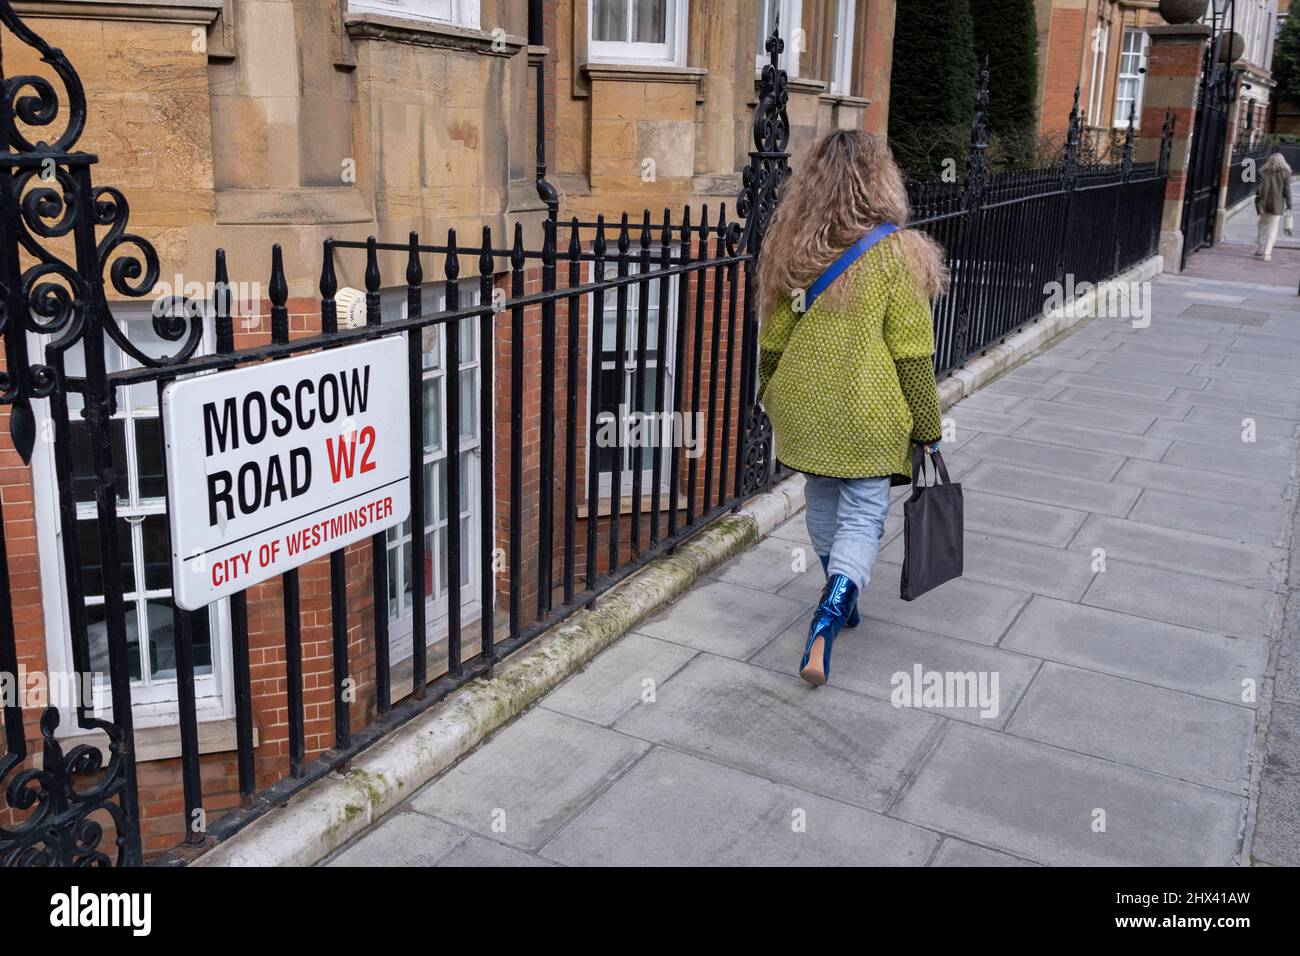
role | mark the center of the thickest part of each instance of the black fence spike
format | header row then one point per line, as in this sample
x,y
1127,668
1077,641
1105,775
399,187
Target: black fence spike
x,y
372,265
517,250
452,266
486,261
414,271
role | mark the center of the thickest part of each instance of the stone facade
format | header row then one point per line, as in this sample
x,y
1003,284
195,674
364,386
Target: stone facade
x,y
649,135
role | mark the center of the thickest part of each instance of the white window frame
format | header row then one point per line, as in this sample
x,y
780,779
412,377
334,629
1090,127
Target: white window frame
x,y
401,625
1097,85
1138,77
672,52
791,20
155,703
841,81
667,313
461,13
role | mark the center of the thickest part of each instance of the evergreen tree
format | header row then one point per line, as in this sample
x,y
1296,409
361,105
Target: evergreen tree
x,y
1286,59
1006,37
932,85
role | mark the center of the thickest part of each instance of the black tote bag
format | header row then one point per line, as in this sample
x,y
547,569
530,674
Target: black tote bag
x,y
932,529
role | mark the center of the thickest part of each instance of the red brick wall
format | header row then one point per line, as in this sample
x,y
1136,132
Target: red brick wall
x,y
1061,74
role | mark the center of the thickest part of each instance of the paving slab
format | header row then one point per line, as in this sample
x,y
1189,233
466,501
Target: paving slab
x,y
880,660
796,529
825,740
770,565
1090,416
1169,732
1220,436
1166,363
1283,367
1094,439
531,779
1013,518
1222,519
1114,401
1253,390
402,839
1046,456
1108,383
621,678
675,809
1153,376
725,618
1046,805
975,419
1024,387
1131,541
1180,480
1163,346
1187,599
1051,488
963,608
956,852
1167,655
1242,459
1247,405
478,852
993,401
1274,378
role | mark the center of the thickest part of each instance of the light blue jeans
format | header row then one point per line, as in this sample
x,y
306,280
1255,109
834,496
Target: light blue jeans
x,y
846,519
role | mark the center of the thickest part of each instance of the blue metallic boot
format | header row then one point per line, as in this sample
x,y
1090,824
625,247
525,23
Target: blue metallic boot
x,y
837,599
853,614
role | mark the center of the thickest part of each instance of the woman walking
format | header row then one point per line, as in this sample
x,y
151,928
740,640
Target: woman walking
x,y
846,370
1272,200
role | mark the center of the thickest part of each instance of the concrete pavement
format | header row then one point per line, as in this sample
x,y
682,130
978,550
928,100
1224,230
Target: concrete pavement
x,y
1129,499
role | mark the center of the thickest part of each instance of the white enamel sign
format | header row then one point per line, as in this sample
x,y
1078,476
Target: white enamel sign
x,y
275,465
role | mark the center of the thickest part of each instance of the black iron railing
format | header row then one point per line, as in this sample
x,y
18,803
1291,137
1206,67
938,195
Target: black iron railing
x,y
1009,236
1243,172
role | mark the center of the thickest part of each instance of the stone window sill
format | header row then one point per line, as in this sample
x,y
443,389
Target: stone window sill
x,y
625,503
796,84
443,36
844,99
644,73
164,743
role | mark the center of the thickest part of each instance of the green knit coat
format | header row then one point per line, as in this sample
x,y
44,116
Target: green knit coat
x,y
849,389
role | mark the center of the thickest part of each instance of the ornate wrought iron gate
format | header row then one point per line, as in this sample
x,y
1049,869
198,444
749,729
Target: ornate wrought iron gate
x,y
1209,140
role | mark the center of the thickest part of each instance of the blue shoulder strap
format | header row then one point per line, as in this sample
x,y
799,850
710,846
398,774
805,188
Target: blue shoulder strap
x,y
849,256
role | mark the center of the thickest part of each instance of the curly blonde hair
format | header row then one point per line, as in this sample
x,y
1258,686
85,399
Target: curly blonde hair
x,y
846,186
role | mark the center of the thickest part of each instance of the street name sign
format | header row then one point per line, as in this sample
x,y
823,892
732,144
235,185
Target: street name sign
x,y
277,464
